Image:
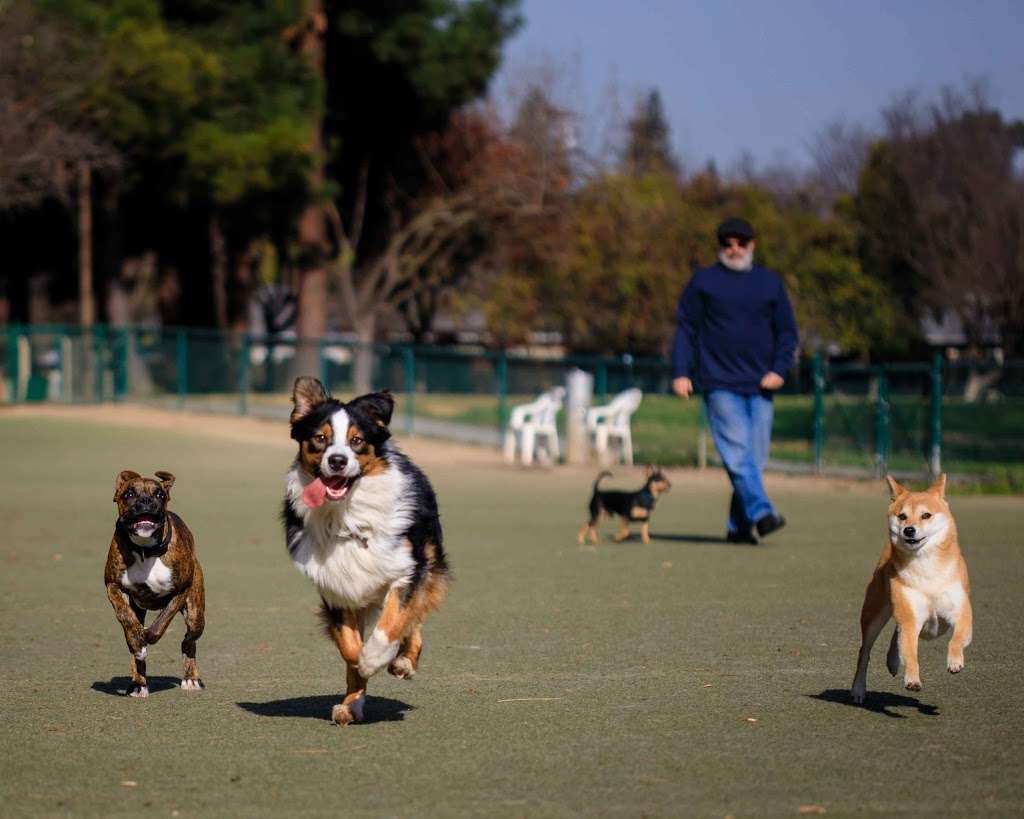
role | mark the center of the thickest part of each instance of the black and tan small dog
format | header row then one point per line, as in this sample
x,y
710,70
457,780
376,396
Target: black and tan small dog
x,y
630,506
152,565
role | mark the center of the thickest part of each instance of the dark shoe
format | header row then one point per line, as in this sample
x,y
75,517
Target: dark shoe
x,y
746,538
769,523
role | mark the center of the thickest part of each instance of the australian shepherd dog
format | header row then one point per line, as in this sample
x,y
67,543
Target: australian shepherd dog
x,y
361,522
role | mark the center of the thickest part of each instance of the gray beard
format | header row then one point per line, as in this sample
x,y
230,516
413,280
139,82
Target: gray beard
x,y
745,263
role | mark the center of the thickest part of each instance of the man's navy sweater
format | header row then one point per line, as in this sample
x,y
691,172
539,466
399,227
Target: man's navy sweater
x,y
735,326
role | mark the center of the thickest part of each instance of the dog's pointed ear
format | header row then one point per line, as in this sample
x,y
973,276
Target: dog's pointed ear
x,y
939,486
307,393
378,405
166,481
895,490
122,479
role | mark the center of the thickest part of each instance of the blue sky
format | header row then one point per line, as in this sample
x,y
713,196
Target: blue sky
x,y
766,77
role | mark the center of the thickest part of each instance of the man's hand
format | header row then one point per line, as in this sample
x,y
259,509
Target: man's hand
x,y
683,386
771,381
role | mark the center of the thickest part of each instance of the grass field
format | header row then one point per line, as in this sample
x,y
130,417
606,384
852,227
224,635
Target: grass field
x,y
683,678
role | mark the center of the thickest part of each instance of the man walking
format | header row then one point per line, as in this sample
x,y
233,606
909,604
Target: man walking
x,y
737,336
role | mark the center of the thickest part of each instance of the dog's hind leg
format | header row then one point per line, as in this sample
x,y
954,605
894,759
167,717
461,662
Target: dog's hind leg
x,y
623,532
892,656
404,665
645,532
194,614
875,613
961,639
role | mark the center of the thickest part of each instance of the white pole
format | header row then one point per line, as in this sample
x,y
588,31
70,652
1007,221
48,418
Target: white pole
x,y
579,397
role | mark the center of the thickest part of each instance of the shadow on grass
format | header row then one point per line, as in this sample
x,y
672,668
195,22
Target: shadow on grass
x,y
693,539
877,701
118,685
376,709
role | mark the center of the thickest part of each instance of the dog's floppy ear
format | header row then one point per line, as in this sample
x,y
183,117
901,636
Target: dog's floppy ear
x,y
939,487
895,490
122,479
307,393
378,405
166,481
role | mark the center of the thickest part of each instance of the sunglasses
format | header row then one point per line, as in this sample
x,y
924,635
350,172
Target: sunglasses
x,y
728,240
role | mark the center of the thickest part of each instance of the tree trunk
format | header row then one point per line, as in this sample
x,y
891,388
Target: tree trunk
x,y
363,361
313,243
86,302
219,271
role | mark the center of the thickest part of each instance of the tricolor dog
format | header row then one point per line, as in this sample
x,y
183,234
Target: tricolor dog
x,y
152,566
921,581
361,522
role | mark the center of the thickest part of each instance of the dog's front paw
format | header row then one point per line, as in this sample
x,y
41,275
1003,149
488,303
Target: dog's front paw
x,y
343,714
377,652
911,684
192,684
955,663
138,691
857,694
402,668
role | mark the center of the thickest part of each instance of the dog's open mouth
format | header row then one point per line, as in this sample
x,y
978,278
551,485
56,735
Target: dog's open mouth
x,y
321,489
145,525
337,486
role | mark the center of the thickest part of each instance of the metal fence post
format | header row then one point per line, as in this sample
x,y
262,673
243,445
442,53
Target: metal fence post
x,y
243,375
182,366
501,368
601,378
325,371
818,379
883,433
409,360
935,455
12,363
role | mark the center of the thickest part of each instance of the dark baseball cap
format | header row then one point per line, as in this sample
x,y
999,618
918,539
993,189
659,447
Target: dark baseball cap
x,y
735,228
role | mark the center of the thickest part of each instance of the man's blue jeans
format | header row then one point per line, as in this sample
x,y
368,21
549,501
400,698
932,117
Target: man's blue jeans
x,y
741,426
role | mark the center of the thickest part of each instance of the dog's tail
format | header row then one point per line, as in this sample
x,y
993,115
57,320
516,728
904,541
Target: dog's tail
x,y
601,477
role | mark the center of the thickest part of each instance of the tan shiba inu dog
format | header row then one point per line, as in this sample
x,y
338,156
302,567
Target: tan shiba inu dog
x,y
921,580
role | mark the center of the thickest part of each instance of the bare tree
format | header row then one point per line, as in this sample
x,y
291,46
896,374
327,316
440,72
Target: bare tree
x,y
838,152
40,138
963,231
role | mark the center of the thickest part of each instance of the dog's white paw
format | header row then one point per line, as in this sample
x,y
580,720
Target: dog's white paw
x,y
137,691
402,668
911,684
192,684
377,652
955,665
343,714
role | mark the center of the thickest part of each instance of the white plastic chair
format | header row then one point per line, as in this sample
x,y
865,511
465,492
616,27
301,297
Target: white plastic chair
x,y
529,423
610,425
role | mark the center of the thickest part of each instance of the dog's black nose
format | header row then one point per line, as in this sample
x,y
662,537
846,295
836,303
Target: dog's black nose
x,y
909,531
337,461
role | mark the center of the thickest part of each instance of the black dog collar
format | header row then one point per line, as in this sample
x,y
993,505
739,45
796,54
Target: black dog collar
x,y
125,539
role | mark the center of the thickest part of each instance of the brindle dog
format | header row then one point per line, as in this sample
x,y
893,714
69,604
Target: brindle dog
x,y
152,565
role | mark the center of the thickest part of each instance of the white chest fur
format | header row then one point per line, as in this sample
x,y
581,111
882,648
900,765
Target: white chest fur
x,y
354,551
151,573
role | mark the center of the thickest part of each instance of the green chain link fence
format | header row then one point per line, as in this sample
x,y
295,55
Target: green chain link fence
x,y
911,418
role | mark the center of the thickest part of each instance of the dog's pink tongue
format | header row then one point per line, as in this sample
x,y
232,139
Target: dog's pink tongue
x,y
314,494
